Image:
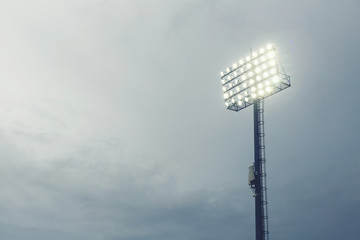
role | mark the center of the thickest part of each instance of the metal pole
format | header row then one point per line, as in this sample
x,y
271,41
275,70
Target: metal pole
x,y
258,171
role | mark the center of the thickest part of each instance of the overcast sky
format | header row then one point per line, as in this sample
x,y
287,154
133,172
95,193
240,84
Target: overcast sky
x,y
113,125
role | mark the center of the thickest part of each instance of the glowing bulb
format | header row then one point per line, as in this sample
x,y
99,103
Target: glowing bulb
x,y
272,62
248,66
234,65
226,104
223,81
263,58
243,77
275,79
253,95
251,81
237,89
269,47
226,95
256,62
260,85
266,74
228,70
246,99
273,71
258,78
245,93
230,85
221,73
254,54
271,54
261,92
257,70
241,62
241,70
253,89
224,89
231,92
264,66
268,89
244,85
239,97
251,74
233,100
235,74
239,103
229,77
247,58
262,50
267,83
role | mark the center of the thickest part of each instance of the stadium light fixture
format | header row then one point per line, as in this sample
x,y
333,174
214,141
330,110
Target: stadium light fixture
x,y
248,82
260,67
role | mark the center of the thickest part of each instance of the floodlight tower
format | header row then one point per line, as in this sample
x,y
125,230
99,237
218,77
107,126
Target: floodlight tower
x,y
248,82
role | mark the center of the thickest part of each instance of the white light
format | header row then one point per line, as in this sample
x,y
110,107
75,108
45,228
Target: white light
x,y
273,71
256,62
271,54
226,95
230,85
275,79
239,103
253,95
261,92
229,77
264,66
263,58
235,74
248,66
239,97
260,85
233,100
269,47
246,99
226,104
241,62
247,58
251,74
243,77
266,74
267,83
254,54
253,89
221,73
231,92
257,70
244,85
223,81
268,89
234,65
258,78
262,50
272,62
241,70
235,81
251,81
228,70
238,89
224,89
245,93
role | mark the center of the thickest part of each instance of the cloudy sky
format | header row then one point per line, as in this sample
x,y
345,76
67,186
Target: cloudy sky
x,y
113,126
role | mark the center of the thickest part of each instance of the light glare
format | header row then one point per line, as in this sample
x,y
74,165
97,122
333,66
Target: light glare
x,y
269,47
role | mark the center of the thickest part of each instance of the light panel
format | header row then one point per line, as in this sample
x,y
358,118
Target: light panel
x,y
256,76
